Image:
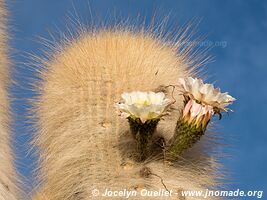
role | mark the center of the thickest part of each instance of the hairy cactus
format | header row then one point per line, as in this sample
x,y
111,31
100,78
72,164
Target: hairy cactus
x,y
84,144
7,173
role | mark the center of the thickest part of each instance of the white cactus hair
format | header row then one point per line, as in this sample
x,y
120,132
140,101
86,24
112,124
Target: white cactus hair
x,y
8,186
83,143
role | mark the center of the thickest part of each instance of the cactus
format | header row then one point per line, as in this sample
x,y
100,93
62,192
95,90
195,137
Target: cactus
x,y
84,144
185,137
143,133
201,102
8,189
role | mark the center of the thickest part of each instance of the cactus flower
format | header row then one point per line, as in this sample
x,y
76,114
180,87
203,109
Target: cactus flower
x,y
143,111
202,101
197,113
143,105
205,93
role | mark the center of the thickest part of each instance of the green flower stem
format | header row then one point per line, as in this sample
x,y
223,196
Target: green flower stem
x,y
186,135
143,133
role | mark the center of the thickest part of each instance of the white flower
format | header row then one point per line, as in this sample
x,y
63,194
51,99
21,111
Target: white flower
x,y
198,114
143,105
205,93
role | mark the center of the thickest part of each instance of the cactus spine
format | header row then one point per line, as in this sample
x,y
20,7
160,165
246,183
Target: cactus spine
x,y
7,174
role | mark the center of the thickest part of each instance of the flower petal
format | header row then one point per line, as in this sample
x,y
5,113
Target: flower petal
x,y
205,93
143,105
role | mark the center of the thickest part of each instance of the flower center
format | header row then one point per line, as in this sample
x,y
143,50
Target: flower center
x,y
141,103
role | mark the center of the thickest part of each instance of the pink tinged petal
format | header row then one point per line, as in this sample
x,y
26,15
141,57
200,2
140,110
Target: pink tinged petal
x,y
207,117
210,111
195,109
187,108
203,115
205,121
200,120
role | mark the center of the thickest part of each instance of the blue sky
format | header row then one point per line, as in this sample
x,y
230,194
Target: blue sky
x,y
237,28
